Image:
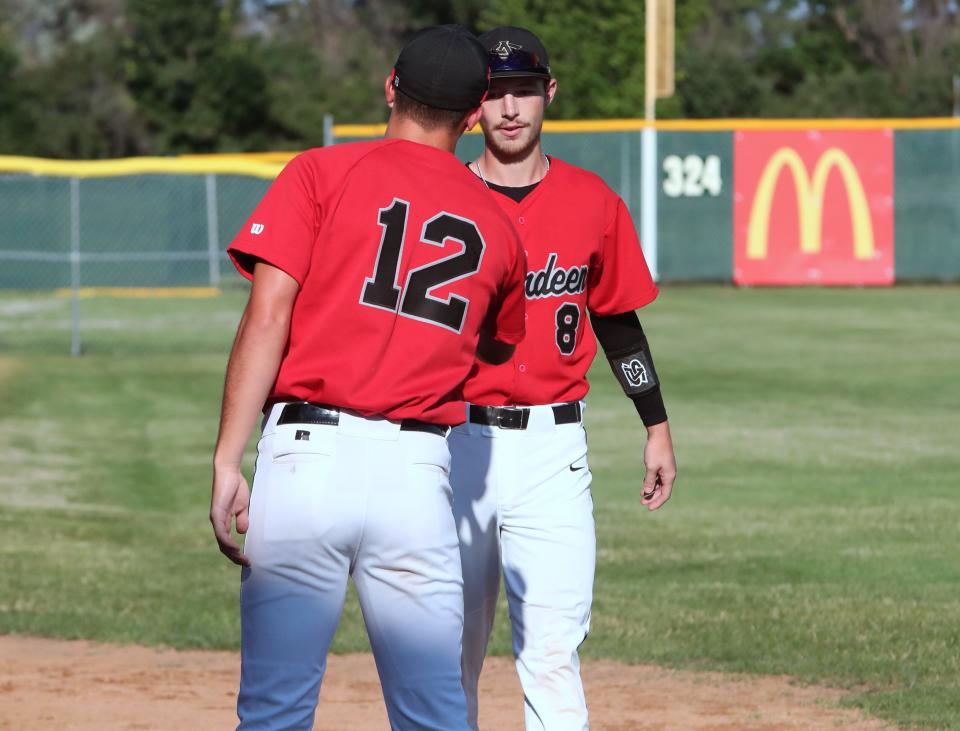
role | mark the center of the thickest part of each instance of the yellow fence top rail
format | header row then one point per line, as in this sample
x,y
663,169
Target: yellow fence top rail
x,y
270,158
267,164
188,165
141,292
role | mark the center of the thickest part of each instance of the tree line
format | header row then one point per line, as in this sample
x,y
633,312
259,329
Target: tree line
x,y
111,78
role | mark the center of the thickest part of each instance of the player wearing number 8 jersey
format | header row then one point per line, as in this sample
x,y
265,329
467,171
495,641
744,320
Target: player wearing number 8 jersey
x,y
380,271
520,475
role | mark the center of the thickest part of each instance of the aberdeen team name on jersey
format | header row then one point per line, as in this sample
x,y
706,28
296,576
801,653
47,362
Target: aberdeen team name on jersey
x,y
553,281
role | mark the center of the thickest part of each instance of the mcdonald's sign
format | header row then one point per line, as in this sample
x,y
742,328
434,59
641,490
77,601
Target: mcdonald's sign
x,y
813,207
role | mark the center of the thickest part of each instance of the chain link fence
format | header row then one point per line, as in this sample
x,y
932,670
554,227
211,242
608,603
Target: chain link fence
x,y
131,231
74,237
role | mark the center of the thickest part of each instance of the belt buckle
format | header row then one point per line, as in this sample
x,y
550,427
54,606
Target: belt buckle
x,y
511,418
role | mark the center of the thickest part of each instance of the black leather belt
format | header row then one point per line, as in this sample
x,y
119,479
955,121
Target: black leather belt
x,y
517,417
304,412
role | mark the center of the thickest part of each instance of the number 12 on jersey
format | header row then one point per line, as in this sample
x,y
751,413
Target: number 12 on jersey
x,y
414,298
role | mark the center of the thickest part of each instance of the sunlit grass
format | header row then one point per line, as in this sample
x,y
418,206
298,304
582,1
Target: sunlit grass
x,y
813,531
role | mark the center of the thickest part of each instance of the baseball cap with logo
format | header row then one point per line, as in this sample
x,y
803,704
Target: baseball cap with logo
x,y
444,67
515,52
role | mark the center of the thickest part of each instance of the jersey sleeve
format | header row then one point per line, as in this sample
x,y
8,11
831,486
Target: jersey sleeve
x,y
621,280
507,318
284,225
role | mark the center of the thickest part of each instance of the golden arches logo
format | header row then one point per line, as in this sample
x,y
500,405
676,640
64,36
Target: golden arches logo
x,y
810,193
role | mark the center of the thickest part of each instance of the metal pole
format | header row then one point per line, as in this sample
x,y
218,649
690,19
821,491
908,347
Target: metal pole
x,y
328,137
213,231
956,95
75,266
648,159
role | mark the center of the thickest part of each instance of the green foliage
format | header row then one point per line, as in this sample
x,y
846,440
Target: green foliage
x,y
718,86
198,89
593,48
596,49
828,59
809,534
105,78
298,94
79,107
13,120
432,12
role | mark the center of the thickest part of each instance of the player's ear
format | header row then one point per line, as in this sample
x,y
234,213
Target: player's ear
x,y
551,90
389,93
470,121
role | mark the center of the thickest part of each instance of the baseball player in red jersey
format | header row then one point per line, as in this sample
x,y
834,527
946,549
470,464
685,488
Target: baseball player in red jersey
x,y
378,269
520,474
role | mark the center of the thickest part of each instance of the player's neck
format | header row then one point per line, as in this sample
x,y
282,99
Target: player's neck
x,y
406,129
514,172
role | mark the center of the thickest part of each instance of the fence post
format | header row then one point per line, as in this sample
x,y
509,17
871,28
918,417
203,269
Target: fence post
x,y
328,138
213,231
648,157
75,266
648,195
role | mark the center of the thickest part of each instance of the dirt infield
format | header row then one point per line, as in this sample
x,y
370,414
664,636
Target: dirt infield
x,y
82,686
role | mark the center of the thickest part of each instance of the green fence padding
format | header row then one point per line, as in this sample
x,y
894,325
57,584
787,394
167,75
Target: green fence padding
x,y
35,232
135,231
927,205
695,206
144,231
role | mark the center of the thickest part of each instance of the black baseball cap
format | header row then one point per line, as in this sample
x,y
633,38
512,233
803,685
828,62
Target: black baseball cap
x,y
515,52
443,66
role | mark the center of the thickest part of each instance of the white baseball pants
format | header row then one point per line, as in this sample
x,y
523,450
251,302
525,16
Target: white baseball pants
x,y
522,502
361,499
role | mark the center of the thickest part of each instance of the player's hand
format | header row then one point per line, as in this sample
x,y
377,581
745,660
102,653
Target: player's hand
x,y
661,467
230,500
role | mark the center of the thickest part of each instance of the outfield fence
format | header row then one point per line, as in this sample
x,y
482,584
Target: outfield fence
x,y
858,202
130,223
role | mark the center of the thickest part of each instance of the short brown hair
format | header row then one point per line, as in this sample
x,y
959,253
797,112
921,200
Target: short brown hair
x,y
429,118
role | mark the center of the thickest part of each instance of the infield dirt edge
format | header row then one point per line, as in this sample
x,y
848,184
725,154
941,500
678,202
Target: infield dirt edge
x,y
80,686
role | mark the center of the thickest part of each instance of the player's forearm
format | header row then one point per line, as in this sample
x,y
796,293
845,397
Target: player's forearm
x,y
251,372
623,334
651,408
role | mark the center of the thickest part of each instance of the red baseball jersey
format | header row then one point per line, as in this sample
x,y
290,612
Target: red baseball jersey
x,y
582,254
401,258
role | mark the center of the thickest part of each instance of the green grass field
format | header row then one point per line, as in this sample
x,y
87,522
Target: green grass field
x,y
813,531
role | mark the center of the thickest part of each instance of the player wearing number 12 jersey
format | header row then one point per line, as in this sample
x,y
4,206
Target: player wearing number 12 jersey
x,y
520,475
380,271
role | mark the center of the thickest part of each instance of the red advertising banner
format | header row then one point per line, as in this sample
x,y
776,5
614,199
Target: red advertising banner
x,y
813,207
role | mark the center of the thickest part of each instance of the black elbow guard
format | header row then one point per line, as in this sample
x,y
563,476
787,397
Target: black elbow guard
x,y
634,369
